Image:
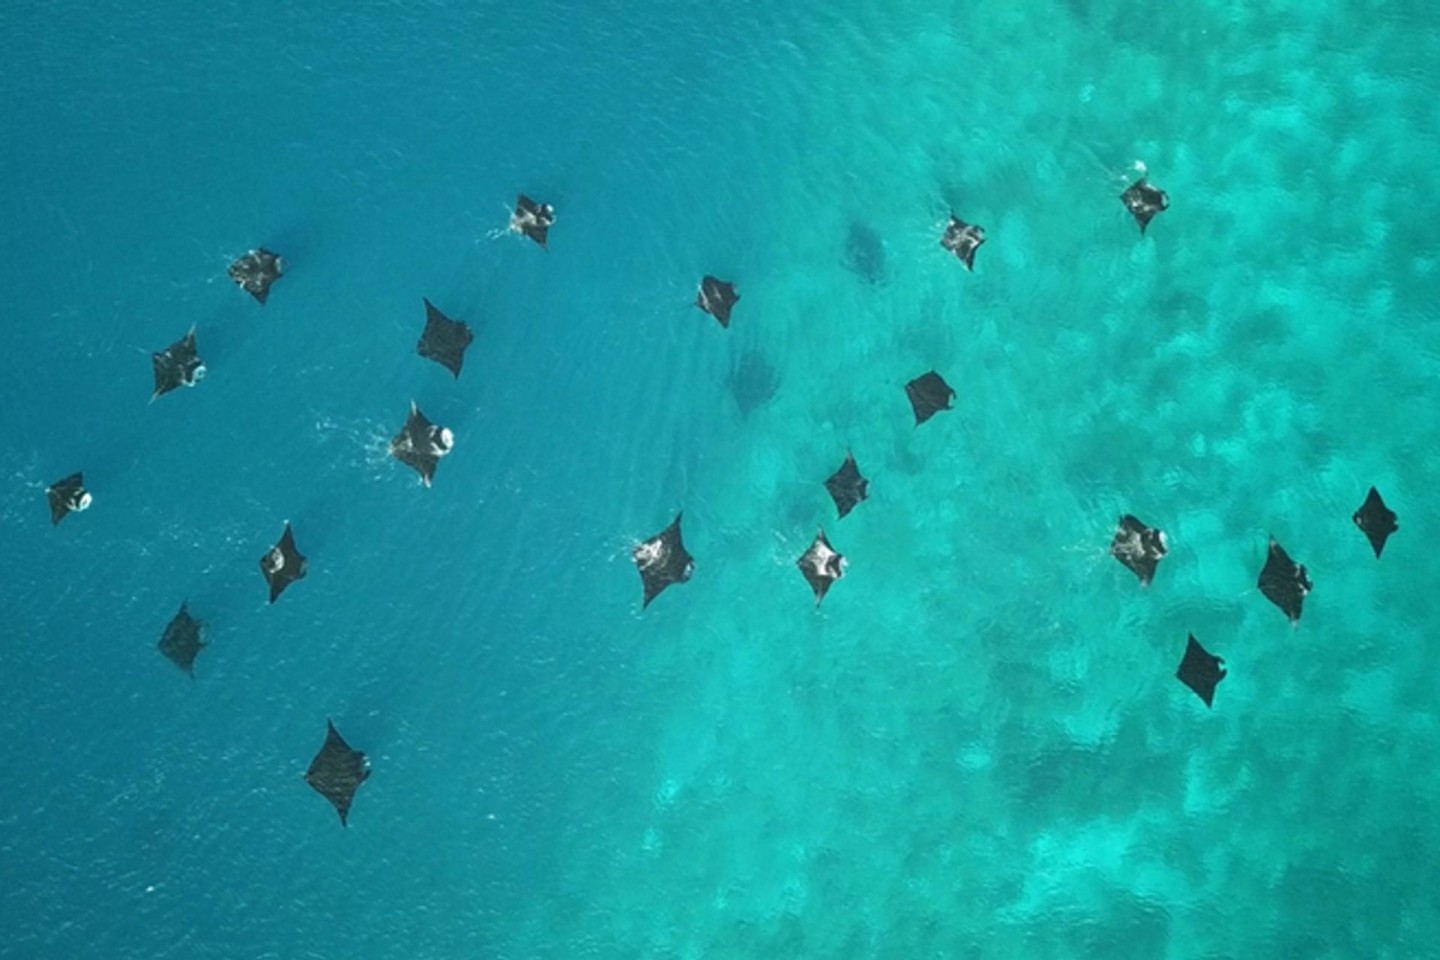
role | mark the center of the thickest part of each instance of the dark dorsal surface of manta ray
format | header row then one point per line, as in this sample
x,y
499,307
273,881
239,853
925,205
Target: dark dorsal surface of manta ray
x,y
420,444
1200,670
962,239
821,566
929,394
178,365
1284,582
1376,521
1138,547
752,381
716,297
67,496
256,271
663,560
847,487
444,340
1144,200
283,565
182,640
337,772
533,220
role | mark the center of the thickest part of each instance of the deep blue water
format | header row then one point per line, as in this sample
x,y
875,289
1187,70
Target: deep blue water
x,y
976,747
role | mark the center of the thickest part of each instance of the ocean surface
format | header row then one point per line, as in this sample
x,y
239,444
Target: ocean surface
x,y
976,748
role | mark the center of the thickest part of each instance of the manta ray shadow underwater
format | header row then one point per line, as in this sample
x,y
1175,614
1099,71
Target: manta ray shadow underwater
x,y
752,381
865,253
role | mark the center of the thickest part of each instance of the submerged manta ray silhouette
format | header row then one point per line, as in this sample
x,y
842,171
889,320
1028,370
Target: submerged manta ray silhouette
x,y
865,253
182,640
752,382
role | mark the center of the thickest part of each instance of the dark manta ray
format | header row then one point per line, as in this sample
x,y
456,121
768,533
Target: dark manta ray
x,y
752,381
716,297
1284,582
532,219
67,496
177,366
663,560
420,444
283,565
846,486
182,640
821,566
1376,521
929,394
337,772
963,239
1144,201
1138,547
444,340
256,271
1200,670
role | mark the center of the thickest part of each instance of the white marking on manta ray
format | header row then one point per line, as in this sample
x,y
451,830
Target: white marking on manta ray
x,y
649,554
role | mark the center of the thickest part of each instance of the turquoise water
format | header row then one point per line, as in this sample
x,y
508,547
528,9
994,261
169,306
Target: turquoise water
x,y
976,747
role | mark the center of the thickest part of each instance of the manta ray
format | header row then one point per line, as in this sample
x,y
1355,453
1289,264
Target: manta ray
x,y
962,239
929,394
847,487
337,772
1144,201
1138,547
68,496
717,297
1200,670
444,340
663,561
283,564
420,444
256,271
178,365
1284,582
821,566
532,219
1376,521
182,640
